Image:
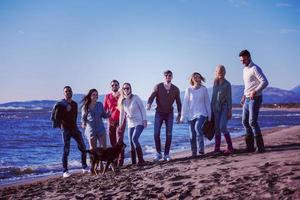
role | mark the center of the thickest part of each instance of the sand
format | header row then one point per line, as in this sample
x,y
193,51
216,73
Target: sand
x,y
274,174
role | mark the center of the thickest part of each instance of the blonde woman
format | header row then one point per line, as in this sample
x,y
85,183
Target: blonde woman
x,y
132,106
196,109
222,108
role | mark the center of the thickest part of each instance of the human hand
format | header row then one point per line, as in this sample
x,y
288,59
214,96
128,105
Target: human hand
x,y
229,114
252,94
145,123
178,119
243,100
148,107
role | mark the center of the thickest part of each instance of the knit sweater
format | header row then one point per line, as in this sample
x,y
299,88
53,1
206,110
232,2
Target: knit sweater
x,y
196,103
165,98
254,79
134,110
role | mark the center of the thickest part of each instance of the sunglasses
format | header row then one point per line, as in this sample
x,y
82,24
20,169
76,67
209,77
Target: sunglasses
x,y
126,88
114,85
168,75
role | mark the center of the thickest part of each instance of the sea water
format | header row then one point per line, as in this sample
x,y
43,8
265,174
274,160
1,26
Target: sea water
x,y
30,147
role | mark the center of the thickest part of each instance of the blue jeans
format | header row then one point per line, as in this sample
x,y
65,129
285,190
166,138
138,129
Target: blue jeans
x,y
221,119
134,134
67,135
158,121
195,127
250,115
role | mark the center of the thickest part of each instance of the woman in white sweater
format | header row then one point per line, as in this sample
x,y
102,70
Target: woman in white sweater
x,y
196,109
132,107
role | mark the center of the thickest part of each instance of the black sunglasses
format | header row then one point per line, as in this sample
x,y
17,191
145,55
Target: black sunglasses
x,y
126,88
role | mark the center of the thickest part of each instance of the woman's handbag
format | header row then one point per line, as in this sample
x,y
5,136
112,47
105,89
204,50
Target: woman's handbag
x,y
208,129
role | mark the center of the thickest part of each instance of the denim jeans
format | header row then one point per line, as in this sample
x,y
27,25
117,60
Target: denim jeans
x,y
195,127
250,115
221,119
158,121
67,135
134,134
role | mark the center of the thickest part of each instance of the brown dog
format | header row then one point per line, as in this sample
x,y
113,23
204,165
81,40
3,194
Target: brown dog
x,y
109,155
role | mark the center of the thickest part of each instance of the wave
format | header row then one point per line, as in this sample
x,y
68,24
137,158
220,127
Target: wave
x,y
15,173
20,108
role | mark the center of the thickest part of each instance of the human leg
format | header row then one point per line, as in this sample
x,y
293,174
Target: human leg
x,y
132,148
245,120
169,128
157,128
198,126
67,141
254,112
135,137
217,131
193,136
76,134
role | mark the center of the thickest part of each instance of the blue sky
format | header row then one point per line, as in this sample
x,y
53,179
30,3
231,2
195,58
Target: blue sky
x,y
47,44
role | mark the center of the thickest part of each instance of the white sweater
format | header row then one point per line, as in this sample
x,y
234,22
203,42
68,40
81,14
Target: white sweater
x,y
254,79
196,102
134,110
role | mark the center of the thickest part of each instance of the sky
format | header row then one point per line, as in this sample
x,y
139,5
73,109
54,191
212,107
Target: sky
x,y
47,44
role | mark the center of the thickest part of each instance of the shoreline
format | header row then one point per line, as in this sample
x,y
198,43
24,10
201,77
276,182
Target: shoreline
x,y
177,154
276,172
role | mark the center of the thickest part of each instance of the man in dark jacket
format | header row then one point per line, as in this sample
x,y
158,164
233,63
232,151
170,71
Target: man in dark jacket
x,y
64,116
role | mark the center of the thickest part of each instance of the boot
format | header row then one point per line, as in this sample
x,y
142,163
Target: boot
x,y
260,143
217,143
133,156
139,153
249,143
229,143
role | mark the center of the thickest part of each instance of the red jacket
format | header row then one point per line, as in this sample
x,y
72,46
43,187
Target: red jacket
x,y
110,104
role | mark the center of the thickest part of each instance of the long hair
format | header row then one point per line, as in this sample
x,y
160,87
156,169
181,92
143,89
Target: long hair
x,y
192,78
219,68
86,100
122,95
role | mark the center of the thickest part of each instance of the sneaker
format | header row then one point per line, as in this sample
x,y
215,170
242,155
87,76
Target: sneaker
x,y
157,157
66,174
167,158
85,171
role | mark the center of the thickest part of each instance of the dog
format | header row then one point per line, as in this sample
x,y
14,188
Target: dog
x,y
109,155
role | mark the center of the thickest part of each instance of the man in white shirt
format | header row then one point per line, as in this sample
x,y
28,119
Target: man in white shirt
x,y
255,81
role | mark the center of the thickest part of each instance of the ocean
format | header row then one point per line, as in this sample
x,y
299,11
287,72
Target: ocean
x,y
30,147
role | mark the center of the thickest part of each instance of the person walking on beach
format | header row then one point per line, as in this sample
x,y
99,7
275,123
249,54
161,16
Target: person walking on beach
x,y
196,109
116,133
255,81
91,119
68,118
165,93
221,104
132,106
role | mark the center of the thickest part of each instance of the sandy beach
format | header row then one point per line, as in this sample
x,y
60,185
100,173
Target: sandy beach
x,y
274,174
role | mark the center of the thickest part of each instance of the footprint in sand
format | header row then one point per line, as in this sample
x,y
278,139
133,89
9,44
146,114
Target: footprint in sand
x,y
179,177
176,183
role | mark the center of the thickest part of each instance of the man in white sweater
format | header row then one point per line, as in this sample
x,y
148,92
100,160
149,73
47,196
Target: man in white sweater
x,y
255,81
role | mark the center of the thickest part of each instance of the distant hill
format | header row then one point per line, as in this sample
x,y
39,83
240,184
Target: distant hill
x,y
271,95
296,89
43,103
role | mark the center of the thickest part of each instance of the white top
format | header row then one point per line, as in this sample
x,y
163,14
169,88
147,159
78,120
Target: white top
x,y
254,79
134,110
196,102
